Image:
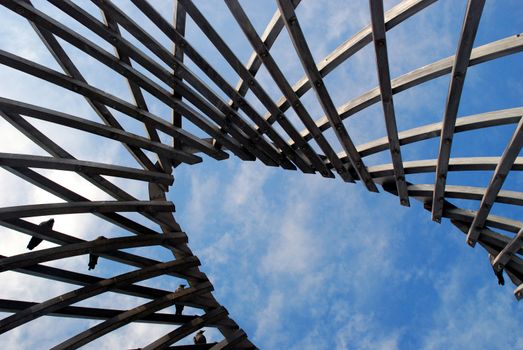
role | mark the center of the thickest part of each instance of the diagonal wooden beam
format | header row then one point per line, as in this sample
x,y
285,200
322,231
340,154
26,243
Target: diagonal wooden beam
x,y
81,279
269,36
382,63
136,92
77,86
94,313
457,81
513,247
187,328
351,46
49,146
61,192
131,315
179,22
101,110
308,153
95,128
127,279
94,50
304,149
49,254
22,211
214,75
279,78
232,341
22,160
496,182
307,61
386,171
491,51
426,132
228,119
129,72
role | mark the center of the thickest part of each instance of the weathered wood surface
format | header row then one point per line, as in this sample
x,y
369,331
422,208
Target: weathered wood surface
x,y
208,116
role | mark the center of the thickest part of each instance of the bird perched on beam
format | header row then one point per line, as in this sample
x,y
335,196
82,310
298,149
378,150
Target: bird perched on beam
x,y
93,258
199,338
43,227
499,274
179,308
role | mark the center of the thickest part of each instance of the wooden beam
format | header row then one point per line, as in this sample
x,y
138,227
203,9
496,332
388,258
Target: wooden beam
x,y
263,53
224,115
467,216
69,83
496,182
455,164
95,246
465,192
307,61
129,316
23,211
457,81
179,22
508,251
188,328
496,49
80,279
94,313
91,290
256,88
139,79
102,130
231,342
393,17
100,109
70,196
426,132
80,166
382,63
198,59
269,36
136,92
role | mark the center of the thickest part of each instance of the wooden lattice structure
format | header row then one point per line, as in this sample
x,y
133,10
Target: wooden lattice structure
x,y
219,124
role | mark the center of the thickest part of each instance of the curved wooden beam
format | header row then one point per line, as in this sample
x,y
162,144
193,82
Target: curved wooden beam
x,y
75,296
95,246
133,314
496,49
79,166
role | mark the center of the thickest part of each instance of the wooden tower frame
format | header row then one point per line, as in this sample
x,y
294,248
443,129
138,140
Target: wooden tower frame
x,y
230,127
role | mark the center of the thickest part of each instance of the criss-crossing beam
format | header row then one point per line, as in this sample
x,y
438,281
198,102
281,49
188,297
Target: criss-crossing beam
x,y
382,63
457,81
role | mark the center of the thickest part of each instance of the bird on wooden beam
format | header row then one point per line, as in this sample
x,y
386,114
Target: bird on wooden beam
x,y
43,227
93,258
199,338
499,274
179,308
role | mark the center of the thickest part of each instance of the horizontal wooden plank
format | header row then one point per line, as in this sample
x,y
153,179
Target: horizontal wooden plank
x,y
51,305
496,49
23,211
80,166
95,246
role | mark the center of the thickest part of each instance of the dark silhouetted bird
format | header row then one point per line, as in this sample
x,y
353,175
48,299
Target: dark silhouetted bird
x,y
179,308
43,227
499,274
93,258
199,338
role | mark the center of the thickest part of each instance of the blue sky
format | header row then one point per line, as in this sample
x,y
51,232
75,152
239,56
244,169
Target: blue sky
x,y
300,262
